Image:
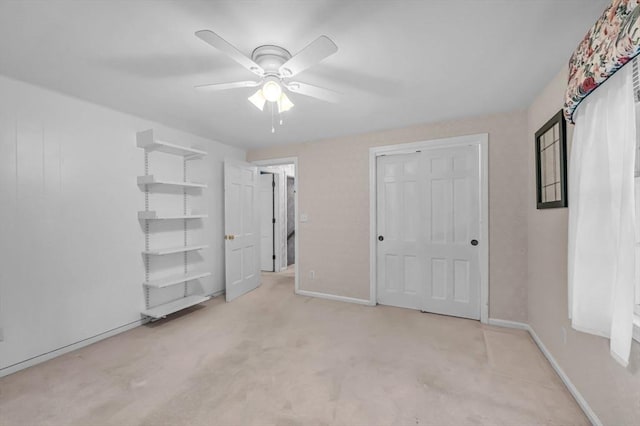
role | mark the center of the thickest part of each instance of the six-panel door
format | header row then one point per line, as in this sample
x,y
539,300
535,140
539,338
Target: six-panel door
x,y
428,222
242,228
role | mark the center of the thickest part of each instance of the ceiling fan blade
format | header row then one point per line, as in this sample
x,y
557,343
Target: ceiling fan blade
x,y
315,52
226,86
224,46
313,91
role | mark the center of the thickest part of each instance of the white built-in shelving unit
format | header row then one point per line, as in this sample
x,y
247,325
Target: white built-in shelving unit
x,y
163,310
153,215
152,180
173,250
147,141
149,144
176,279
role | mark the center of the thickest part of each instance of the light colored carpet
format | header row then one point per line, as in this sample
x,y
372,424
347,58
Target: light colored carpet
x,y
272,358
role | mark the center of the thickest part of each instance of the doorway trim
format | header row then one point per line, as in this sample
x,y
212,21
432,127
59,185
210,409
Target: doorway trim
x,y
272,220
282,162
482,141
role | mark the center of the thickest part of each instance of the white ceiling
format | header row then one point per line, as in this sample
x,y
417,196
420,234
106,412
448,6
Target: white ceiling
x,y
399,62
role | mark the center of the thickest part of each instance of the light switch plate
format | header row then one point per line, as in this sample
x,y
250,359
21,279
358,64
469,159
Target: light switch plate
x,y
304,217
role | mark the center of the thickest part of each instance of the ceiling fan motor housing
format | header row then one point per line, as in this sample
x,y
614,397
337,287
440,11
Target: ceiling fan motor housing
x,y
270,58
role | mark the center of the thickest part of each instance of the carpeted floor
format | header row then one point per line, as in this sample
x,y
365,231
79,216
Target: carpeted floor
x,y
273,358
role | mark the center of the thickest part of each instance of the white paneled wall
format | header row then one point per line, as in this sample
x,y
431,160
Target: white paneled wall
x,y
70,240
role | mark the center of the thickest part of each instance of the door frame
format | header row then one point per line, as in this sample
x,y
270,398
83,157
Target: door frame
x,y
273,224
482,141
282,162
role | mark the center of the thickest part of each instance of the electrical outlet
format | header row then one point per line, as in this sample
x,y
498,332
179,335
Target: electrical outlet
x,y
312,275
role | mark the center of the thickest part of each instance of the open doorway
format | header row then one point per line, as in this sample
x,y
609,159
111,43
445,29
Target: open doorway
x,y
279,219
291,220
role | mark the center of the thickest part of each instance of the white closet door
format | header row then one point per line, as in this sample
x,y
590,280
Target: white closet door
x,y
452,220
242,228
428,220
400,252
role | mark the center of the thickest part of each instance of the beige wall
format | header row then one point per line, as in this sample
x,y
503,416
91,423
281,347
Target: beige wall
x,y
334,192
612,391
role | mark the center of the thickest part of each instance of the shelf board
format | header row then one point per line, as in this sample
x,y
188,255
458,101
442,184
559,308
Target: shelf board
x,y
172,250
176,279
162,311
152,180
153,215
147,141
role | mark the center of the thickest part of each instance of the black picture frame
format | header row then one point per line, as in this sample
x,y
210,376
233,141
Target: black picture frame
x,y
551,163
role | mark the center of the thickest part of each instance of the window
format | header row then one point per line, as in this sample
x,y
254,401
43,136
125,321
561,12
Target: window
x,y
602,229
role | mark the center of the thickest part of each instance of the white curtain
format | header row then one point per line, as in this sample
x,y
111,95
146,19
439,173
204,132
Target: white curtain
x,y
602,214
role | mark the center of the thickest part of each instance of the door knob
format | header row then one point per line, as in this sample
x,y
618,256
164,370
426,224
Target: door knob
x,y
380,238
474,242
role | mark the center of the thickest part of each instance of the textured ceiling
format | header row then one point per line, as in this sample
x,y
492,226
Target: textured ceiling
x,y
399,62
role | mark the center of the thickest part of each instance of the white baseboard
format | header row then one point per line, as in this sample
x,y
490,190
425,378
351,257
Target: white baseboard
x,y
508,324
334,297
216,293
584,405
591,415
65,349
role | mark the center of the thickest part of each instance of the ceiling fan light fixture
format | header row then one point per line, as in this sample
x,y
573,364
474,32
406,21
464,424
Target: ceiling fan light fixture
x,y
271,91
258,99
284,104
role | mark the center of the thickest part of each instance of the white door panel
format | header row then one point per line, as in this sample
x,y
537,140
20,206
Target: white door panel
x,y
399,255
428,213
242,228
266,221
452,220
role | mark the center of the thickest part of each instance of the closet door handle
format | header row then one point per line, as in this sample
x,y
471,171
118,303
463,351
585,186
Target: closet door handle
x,y
474,242
380,238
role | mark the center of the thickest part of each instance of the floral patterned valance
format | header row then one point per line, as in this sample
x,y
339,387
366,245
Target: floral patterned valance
x,y
612,42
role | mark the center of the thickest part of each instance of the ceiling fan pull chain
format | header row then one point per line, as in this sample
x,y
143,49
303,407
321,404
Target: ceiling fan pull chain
x,y
273,129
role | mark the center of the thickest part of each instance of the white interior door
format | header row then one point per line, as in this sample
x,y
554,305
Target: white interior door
x,y
428,221
401,254
242,228
452,220
267,188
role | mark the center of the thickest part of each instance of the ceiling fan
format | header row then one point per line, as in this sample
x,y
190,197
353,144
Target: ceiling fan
x,y
274,66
